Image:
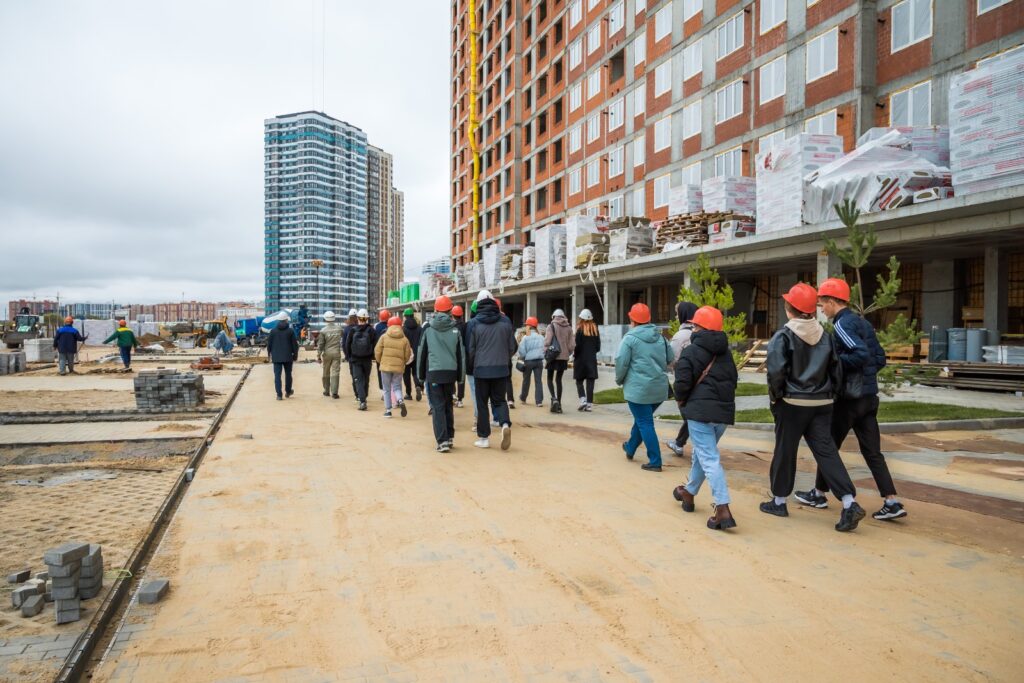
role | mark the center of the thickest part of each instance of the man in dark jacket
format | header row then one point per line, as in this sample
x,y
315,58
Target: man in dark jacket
x,y
705,389
359,345
413,331
283,350
491,345
804,377
65,341
862,357
440,364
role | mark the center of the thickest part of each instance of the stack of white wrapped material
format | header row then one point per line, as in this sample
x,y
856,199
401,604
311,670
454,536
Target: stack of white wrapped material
x,y
780,178
574,227
685,199
730,194
549,242
927,142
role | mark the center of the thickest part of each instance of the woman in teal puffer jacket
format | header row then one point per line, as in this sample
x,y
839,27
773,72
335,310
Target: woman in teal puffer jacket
x,y
640,367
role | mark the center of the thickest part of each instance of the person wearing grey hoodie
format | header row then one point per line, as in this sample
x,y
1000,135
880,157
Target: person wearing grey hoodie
x,y
680,340
559,332
804,379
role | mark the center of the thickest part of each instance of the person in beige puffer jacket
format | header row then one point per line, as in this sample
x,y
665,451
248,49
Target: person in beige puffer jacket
x,y
393,352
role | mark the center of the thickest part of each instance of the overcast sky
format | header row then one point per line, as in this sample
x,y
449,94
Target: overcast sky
x,y
131,134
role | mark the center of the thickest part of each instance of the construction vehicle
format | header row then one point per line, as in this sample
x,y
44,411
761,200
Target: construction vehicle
x,y
249,332
210,330
24,326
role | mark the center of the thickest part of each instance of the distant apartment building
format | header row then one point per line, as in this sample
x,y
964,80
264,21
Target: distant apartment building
x,y
394,263
385,228
34,307
174,312
441,265
98,311
237,310
315,227
602,106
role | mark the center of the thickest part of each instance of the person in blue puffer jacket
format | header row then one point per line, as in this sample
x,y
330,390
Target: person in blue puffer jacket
x,y
531,352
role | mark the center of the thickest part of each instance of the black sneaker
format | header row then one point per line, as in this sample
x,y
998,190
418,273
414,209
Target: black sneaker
x,y
890,511
362,405
650,468
772,508
401,407
443,447
811,499
850,518
327,393
419,394
625,449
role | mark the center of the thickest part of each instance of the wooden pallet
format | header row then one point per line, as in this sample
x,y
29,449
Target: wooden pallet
x,y
756,357
692,227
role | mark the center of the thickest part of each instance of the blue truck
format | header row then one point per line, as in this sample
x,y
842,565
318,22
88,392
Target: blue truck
x,y
250,332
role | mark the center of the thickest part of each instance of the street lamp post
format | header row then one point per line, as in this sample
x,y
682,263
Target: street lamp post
x,y
317,264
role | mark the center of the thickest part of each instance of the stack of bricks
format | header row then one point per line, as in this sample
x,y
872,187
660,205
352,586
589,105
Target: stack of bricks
x,y
30,596
90,581
12,362
168,391
64,564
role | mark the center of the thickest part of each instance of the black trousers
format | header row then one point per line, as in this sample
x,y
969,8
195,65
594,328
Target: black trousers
x,y
585,389
861,415
813,425
461,391
361,369
684,431
533,371
556,368
442,417
287,368
493,390
410,379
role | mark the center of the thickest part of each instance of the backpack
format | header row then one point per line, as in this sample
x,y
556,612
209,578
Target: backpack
x,y
361,346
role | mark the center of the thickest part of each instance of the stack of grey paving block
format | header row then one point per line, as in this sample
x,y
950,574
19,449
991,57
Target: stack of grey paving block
x,y
64,564
168,391
90,581
11,363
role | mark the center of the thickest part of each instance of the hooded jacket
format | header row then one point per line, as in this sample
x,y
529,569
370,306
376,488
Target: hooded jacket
x,y
531,347
67,338
412,331
641,364
560,327
681,339
713,399
329,340
859,352
441,358
282,346
803,368
492,342
124,336
393,351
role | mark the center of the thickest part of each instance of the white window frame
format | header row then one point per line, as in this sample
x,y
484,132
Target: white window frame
x,y
773,13
823,61
616,18
593,128
639,201
693,114
729,35
616,113
591,4
991,5
639,149
639,101
729,160
693,55
639,5
909,10
575,96
640,49
575,13
663,22
594,83
575,181
663,133
663,78
615,206
576,138
616,161
692,174
772,75
575,53
815,124
662,190
691,8
770,140
729,95
593,172
912,95
593,38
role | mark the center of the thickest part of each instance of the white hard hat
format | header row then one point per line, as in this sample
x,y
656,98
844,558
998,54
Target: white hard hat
x,y
329,316
351,312
484,294
558,312
585,314
363,313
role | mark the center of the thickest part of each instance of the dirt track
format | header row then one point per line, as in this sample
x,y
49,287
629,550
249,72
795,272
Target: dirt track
x,y
336,544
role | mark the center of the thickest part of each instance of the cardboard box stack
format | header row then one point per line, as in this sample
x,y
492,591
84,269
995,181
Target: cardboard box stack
x,y
685,199
780,178
986,107
735,194
550,249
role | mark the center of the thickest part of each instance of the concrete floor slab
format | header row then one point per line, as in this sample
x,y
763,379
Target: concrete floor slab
x,y
78,432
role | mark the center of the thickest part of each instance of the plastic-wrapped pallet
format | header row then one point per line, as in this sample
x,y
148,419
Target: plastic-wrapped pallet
x,y
685,199
780,178
986,138
928,142
493,254
734,194
574,227
549,243
529,262
626,243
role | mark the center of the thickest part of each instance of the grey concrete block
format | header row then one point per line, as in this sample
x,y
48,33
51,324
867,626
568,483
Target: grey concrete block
x,y
68,616
89,581
21,594
65,553
59,571
38,583
67,603
42,576
32,606
91,572
154,591
95,556
89,593
66,581
18,577
48,597
68,593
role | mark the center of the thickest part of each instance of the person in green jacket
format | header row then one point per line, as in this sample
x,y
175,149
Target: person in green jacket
x,y
126,341
640,367
440,365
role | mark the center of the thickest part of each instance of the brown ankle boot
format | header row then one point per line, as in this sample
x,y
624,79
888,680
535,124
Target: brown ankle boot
x,y
684,497
722,519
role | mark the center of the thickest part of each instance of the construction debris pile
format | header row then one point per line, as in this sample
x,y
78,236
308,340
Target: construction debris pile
x,y
74,572
168,391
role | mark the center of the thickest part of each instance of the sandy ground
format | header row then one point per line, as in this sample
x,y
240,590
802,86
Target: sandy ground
x,y
337,545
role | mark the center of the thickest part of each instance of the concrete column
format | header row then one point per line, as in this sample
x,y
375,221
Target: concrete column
x,y
997,285
828,266
578,302
611,303
531,304
786,280
690,283
938,308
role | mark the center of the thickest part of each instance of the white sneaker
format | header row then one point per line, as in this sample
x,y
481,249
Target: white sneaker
x,y
482,443
506,437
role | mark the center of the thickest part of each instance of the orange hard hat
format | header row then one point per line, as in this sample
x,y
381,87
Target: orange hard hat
x,y
836,288
394,321
640,314
457,311
532,321
384,315
498,301
802,297
708,317
122,322
69,319
442,304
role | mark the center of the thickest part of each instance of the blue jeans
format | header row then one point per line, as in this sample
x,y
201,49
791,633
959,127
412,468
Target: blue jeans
x,y
707,463
643,431
126,355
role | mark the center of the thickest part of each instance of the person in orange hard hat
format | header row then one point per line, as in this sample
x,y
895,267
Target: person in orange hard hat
x,y
460,323
440,364
126,341
531,360
862,357
65,342
705,389
804,378
383,316
392,353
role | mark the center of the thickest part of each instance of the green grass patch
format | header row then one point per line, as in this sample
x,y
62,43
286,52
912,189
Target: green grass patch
x,y
751,389
901,411
615,395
